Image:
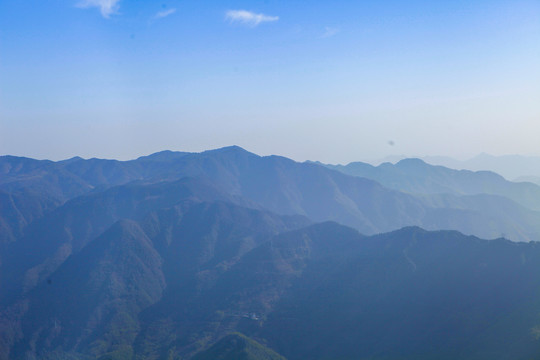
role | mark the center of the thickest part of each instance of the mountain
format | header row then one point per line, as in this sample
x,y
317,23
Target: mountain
x,y
486,216
237,347
287,187
417,177
512,167
166,256
90,304
93,297
43,177
69,228
174,281
531,179
325,292
509,166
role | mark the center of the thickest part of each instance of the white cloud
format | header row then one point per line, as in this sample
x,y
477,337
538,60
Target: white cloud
x,y
106,7
164,13
329,31
248,18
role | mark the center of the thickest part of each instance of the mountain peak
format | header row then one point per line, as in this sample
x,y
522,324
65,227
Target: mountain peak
x,y
412,163
233,149
164,155
71,160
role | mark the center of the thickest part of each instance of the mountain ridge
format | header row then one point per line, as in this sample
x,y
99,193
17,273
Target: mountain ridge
x,y
417,176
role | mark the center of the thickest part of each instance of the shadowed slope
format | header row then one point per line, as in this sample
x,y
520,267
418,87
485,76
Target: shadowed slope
x,y
90,304
67,229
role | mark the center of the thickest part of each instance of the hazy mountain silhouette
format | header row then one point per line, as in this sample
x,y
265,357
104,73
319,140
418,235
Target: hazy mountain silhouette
x,y
43,177
416,176
287,187
509,166
531,179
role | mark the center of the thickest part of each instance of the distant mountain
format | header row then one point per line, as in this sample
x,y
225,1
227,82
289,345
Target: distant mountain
x,y
416,176
42,177
509,166
238,347
165,156
287,187
531,179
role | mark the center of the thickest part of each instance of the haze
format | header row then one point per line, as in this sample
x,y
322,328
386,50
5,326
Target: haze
x,y
332,81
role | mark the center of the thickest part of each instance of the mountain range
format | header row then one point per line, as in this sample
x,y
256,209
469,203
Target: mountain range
x,y
287,187
225,254
418,177
518,168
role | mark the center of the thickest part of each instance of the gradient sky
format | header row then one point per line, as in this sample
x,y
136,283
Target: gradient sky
x,y
334,81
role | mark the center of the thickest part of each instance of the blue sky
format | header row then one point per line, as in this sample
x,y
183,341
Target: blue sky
x,y
334,81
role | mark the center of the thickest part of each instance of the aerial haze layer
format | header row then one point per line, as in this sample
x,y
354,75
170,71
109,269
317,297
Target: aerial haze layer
x,y
330,81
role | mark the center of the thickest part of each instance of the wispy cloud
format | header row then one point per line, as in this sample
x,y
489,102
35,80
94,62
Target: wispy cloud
x,y
164,13
248,18
329,31
106,7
